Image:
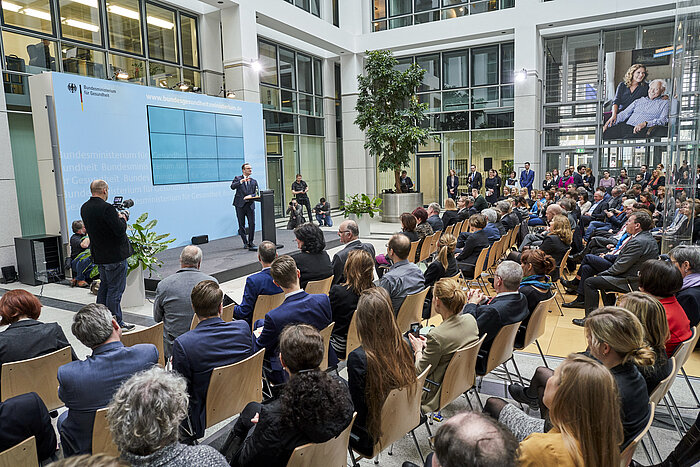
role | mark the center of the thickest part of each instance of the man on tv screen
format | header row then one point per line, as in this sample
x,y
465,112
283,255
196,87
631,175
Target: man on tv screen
x,y
644,118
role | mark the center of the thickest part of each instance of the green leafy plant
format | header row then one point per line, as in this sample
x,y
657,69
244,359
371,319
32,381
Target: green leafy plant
x,y
389,112
87,254
362,204
147,244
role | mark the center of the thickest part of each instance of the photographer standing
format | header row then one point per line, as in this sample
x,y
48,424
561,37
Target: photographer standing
x,y
109,246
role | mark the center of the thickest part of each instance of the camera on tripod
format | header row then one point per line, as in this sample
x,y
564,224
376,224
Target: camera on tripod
x,y
122,205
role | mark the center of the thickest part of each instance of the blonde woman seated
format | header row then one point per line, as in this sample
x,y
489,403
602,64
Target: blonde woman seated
x,y
584,410
455,332
449,217
445,265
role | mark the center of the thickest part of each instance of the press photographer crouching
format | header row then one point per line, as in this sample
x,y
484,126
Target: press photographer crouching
x,y
109,247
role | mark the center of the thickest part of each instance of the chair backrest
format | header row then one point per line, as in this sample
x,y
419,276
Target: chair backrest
x,y
514,237
664,385
353,340
326,335
38,374
682,352
502,346
411,310
227,312
332,453
322,286
151,335
494,254
538,320
460,374
626,456
102,441
245,376
22,454
400,412
465,226
412,252
562,265
480,265
426,249
265,303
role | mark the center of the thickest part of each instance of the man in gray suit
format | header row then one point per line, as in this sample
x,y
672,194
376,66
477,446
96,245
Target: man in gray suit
x,y
173,304
402,278
621,275
349,234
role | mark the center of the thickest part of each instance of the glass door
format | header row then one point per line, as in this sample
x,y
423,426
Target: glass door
x,y
429,177
274,182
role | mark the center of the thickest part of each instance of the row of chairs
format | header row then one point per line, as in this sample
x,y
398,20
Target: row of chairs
x,y
432,242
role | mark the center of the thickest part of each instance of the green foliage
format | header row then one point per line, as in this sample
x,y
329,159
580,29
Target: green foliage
x,y
506,168
389,112
362,204
147,244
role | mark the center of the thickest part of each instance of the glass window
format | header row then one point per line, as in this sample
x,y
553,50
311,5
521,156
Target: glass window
x,y
315,7
404,63
319,107
455,100
379,7
455,69
423,5
267,57
433,99
303,4
582,68
28,54
426,17
193,78
127,69
83,61
306,104
289,101
379,26
494,148
318,78
507,62
188,32
553,70
280,122
507,96
287,69
163,76
492,119
400,22
453,2
124,23
312,164
485,65
270,98
483,98
162,33
29,14
399,7
304,68
273,143
456,12
482,6
658,35
80,21
431,65
619,40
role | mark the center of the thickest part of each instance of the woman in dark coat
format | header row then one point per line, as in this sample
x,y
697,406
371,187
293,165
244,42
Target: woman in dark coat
x,y
453,185
312,261
493,187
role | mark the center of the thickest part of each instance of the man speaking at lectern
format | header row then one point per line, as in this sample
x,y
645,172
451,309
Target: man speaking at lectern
x,y
246,189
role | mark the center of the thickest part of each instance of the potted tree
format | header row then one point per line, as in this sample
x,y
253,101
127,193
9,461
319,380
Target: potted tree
x,y
391,117
361,208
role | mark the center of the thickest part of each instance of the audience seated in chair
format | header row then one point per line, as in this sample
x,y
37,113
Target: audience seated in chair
x,y
173,305
312,261
349,234
213,343
260,283
444,265
434,217
535,285
402,278
450,216
298,307
437,347
535,239
24,416
343,297
687,259
475,240
88,385
383,363
423,228
144,417
313,407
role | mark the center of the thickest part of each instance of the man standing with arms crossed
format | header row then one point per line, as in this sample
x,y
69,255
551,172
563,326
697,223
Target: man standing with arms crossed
x,y
300,190
245,187
109,248
527,177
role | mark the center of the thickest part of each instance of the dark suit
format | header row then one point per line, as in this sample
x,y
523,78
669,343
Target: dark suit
x,y
480,203
452,184
449,218
463,214
689,299
256,284
24,416
341,257
597,214
88,385
578,179
502,310
312,266
527,178
435,222
245,208
475,180
556,248
298,308
510,220
622,272
473,244
196,353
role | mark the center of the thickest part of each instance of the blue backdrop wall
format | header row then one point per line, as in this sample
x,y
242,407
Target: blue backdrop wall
x,y
173,153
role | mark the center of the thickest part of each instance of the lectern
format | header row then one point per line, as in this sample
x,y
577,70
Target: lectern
x,y
267,216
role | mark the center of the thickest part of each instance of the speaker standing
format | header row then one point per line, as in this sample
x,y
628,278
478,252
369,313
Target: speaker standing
x,y
245,187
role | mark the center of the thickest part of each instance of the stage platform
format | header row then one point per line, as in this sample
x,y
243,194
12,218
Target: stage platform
x,y
225,259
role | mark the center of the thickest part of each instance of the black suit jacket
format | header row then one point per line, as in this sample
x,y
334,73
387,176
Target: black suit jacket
x,y
473,244
463,214
556,248
598,213
30,338
107,232
449,218
690,301
510,220
341,257
243,190
578,179
313,266
24,416
475,180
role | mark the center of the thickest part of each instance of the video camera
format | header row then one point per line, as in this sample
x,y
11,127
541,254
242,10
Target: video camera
x,y
122,205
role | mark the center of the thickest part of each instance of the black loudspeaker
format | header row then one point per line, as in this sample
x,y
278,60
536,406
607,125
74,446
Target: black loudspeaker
x,y
9,274
199,239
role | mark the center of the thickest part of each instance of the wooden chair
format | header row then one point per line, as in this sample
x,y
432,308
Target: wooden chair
x,y
326,335
479,269
332,453
227,312
38,374
562,267
460,374
353,340
465,226
514,237
102,441
626,456
682,354
22,454
426,249
400,415
319,287
660,393
411,310
245,376
536,326
265,303
494,255
413,250
151,335
502,350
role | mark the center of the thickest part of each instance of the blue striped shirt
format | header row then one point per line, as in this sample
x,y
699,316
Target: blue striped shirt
x,y
654,112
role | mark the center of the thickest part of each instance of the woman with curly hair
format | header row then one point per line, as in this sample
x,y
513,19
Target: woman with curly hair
x,y
358,278
312,261
313,407
423,229
384,362
632,87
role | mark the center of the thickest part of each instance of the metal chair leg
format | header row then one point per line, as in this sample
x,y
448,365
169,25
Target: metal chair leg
x,y
683,427
478,399
672,415
646,451
697,402
541,353
469,401
427,427
653,445
517,371
420,453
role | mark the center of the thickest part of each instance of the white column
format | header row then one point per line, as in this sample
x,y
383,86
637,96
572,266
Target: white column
x,y
331,138
9,208
240,47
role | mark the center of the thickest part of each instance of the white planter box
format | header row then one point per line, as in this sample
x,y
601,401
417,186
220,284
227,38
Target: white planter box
x,y
363,223
135,293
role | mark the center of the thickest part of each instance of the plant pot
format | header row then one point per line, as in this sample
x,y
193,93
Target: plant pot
x,y
395,204
363,223
135,293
